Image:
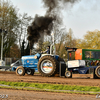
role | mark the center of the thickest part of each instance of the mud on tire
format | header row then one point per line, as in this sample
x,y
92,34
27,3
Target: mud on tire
x,y
20,71
47,66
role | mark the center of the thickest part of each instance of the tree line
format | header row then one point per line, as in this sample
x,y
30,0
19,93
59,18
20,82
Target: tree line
x,y
16,26
15,38
67,39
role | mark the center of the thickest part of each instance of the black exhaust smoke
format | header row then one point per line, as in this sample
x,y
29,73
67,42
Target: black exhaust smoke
x,y
44,24
40,25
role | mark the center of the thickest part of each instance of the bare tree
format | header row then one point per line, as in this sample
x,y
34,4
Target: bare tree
x,y
24,22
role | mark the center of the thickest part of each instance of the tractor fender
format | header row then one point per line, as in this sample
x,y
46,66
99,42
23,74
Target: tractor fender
x,y
55,56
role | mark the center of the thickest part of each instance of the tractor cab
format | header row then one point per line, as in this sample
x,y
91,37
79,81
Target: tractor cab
x,y
73,61
70,53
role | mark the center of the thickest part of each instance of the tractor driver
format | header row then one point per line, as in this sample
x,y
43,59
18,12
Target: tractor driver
x,y
47,50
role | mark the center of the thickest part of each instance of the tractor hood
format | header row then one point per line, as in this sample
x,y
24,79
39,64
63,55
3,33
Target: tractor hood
x,y
36,56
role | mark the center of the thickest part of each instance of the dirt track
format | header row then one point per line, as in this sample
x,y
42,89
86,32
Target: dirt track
x,y
8,76
33,95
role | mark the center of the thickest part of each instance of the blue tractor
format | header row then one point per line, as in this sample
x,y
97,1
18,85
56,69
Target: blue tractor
x,y
80,61
45,64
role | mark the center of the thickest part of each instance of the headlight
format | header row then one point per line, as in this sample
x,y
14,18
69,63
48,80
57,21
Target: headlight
x,y
35,57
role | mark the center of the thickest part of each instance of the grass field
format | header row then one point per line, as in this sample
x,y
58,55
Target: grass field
x,y
51,87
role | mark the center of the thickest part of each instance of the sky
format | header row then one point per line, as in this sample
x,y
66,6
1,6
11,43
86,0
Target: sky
x,y
82,17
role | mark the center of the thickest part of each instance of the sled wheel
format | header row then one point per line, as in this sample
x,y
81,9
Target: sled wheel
x,y
97,71
68,74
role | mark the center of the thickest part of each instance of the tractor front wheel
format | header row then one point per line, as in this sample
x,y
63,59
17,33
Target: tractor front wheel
x,y
20,71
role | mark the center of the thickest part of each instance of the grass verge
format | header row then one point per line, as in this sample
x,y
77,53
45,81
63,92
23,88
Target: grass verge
x,y
51,87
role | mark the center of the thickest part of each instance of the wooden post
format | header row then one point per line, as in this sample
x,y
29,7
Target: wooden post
x,y
30,52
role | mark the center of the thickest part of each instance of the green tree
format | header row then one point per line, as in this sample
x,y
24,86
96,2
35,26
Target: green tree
x,y
8,21
91,40
15,51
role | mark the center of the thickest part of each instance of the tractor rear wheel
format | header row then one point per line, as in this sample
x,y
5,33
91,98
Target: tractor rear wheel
x,y
47,66
97,71
68,74
20,71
